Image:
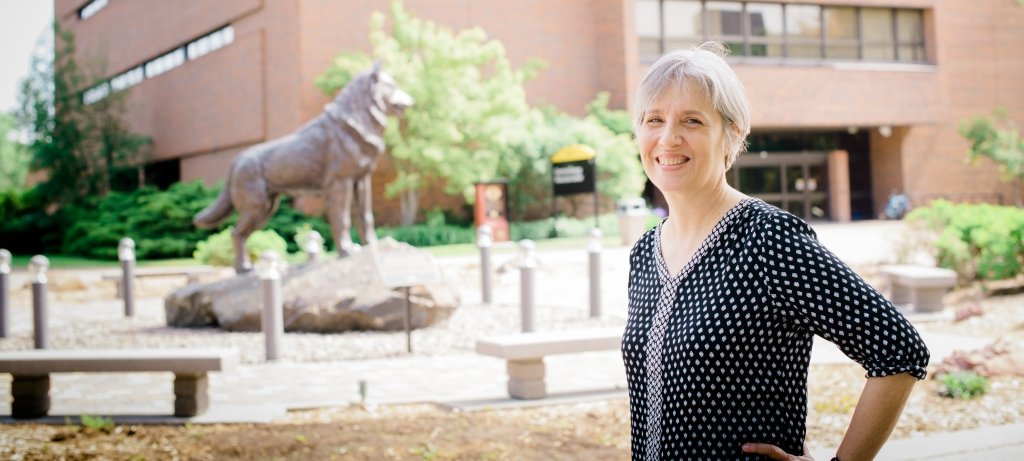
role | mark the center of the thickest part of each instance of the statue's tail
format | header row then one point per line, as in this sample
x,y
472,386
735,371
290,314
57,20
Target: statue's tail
x,y
216,212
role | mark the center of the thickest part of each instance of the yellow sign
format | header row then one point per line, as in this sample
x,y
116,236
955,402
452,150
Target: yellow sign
x,y
573,153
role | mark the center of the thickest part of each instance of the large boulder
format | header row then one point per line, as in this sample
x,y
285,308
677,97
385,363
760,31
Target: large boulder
x,y
327,296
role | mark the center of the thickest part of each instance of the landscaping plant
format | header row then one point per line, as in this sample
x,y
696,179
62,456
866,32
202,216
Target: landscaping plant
x,y
963,385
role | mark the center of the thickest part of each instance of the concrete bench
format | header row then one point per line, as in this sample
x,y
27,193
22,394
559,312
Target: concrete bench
x,y
525,354
31,370
920,286
191,274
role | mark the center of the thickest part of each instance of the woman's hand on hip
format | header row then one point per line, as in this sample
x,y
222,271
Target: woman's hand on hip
x,y
775,452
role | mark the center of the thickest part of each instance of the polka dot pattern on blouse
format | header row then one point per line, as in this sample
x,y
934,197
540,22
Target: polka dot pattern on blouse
x,y
717,355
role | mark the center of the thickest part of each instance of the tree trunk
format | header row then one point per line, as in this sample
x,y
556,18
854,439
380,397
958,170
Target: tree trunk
x,y
1016,192
408,206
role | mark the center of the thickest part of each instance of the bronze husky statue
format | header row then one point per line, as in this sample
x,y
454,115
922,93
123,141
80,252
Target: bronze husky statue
x,y
335,153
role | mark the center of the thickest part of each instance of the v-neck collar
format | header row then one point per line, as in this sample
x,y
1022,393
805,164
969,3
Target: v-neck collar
x,y
709,242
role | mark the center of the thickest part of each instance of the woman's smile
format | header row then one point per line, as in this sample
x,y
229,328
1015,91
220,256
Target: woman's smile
x,y
670,160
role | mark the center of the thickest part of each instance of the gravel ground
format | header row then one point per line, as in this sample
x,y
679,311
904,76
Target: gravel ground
x,y
89,320
833,389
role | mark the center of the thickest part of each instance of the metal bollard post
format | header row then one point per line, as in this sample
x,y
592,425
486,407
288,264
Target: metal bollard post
x,y
5,293
484,239
527,276
126,254
314,245
273,318
39,264
594,249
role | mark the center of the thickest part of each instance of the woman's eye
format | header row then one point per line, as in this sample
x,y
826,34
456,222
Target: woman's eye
x,y
693,121
654,120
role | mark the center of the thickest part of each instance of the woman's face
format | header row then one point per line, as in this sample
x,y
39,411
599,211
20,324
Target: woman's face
x,y
682,141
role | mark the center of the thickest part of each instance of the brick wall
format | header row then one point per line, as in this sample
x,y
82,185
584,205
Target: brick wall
x,y
261,86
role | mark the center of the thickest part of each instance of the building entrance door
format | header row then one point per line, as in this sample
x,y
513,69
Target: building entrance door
x,y
796,182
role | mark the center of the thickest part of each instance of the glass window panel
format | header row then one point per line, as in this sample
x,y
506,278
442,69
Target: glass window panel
x,y
735,47
648,27
765,19
770,50
682,19
845,51
880,52
796,207
876,24
724,18
760,180
803,22
840,23
912,53
908,23
804,51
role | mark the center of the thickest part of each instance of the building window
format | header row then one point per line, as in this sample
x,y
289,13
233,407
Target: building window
x,y
765,29
210,43
91,8
803,31
683,26
163,63
782,30
909,36
878,34
648,27
127,79
96,93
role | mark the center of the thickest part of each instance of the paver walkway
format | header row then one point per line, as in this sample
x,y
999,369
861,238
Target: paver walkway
x,y
467,379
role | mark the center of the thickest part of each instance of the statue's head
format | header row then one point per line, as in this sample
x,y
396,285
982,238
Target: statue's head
x,y
375,90
386,93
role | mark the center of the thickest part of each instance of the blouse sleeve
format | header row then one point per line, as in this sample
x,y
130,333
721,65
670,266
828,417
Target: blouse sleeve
x,y
816,290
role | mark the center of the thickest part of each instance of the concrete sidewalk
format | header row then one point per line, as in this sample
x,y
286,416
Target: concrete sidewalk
x,y
263,392
1001,443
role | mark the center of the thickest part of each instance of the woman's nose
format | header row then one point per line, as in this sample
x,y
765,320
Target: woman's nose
x,y
670,136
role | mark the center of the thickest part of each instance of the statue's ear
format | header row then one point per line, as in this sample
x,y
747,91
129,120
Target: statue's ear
x,y
376,69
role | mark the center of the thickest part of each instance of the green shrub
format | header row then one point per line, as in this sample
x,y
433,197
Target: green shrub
x,y
963,385
98,423
219,250
160,222
423,235
980,242
563,227
288,221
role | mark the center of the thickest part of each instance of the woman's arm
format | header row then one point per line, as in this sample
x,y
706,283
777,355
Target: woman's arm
x,y
877,411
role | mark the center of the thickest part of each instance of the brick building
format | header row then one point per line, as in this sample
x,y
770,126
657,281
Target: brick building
x,y
852,99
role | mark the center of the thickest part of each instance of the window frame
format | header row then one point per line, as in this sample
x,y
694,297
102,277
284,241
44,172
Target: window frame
x,y
788,41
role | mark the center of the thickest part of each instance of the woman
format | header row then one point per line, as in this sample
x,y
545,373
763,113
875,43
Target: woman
x,y
727,293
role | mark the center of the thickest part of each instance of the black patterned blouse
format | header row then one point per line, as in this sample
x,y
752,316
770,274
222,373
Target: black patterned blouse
x,y
717,355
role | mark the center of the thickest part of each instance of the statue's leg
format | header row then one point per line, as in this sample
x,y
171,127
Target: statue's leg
x,y
364,210
239,234
339,207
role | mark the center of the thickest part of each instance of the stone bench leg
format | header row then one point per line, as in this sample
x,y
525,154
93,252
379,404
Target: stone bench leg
x,y
31,394
900,294
927,299
526,379
191,396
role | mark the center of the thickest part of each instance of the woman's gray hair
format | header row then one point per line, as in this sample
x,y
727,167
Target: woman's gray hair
x,y
705,66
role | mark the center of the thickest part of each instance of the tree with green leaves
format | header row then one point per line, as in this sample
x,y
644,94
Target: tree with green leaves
x,y
471,121
619,173
470,103
81,147
997,139
14,157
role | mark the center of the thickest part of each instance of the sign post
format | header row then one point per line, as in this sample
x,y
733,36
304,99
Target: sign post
x,y
405,269
574,171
